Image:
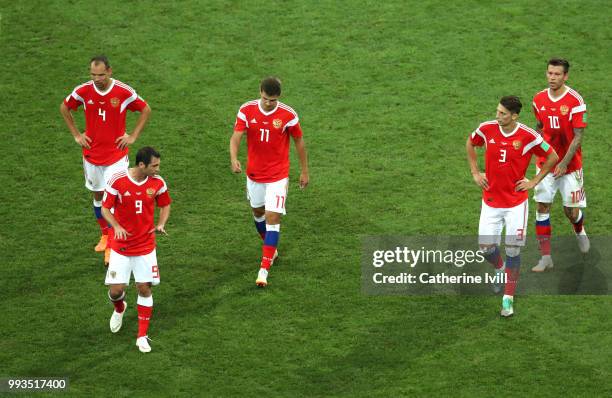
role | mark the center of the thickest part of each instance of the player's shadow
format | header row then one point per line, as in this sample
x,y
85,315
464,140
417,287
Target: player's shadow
x,y
583,275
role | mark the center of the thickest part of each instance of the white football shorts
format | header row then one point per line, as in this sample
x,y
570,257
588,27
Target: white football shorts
x,y
121,267
97,176
272,195
570,186
493,220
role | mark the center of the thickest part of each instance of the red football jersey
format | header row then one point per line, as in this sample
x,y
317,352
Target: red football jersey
x,y
134,205
104,118
559,118
267,139
507,157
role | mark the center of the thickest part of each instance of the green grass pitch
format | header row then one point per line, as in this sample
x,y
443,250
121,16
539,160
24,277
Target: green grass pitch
x,y
387,93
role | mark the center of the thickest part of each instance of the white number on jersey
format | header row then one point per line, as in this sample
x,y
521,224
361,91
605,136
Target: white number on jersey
x,y
102,113
266,133
502,153
138,204
554,122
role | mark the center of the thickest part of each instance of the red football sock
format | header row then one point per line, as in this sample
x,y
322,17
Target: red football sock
x,y
119,307
543,233
578,224
144,315
267,255
512,276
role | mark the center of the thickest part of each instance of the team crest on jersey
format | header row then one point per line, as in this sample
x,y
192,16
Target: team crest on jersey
x,y
564,110
516,144
114,102
150,192
277,123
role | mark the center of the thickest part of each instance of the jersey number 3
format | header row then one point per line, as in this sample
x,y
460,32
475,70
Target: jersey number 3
x,y
502,156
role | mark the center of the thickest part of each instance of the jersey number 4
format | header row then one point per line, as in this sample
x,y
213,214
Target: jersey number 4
x,y
102,113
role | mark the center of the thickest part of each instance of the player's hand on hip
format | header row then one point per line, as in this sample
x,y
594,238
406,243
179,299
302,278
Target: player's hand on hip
x,y
481,180
524,185
123,141
304,179
236,168
560,170
121,233
83,140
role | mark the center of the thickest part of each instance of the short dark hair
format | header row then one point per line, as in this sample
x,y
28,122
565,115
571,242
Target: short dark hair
x,y
145,155
100,59
560,62
511,103
271,85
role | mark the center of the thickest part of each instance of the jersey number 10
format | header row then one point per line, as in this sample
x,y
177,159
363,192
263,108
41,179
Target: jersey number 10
x,y
554,122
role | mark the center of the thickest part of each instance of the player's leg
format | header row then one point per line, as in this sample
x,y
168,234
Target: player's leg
x,y
276,195
574,202
544,194
516,234
259,216
256,195
489,237
107,172
94,181
146,274
117,278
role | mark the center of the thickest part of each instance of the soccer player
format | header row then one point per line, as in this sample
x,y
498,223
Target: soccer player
x,y
104,142
509,146
134,193
268,123
561,118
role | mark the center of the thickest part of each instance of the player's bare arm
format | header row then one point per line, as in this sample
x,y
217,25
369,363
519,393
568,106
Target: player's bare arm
x,y
233,149
571,151
128,139
300,147
120,232
81,139
479,178
164,213
539,127
525,184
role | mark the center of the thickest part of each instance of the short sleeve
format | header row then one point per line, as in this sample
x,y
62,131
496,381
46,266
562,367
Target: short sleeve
x,y
110,196
137,105
477,138
241,123
74,100
578,116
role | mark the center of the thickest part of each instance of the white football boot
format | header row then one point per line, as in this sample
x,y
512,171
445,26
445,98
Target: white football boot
x,y
545,263
116,319
262,278
143,344
583,241
507,309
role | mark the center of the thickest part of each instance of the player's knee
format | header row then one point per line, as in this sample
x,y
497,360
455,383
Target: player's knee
x,y
513,251
571,213
273,218
259,212
98,196
115,292
144,289
488,250
543,207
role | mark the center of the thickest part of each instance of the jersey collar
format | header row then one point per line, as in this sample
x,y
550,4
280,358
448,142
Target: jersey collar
x,y
136,182
266,113
510,133
108,90
550,97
